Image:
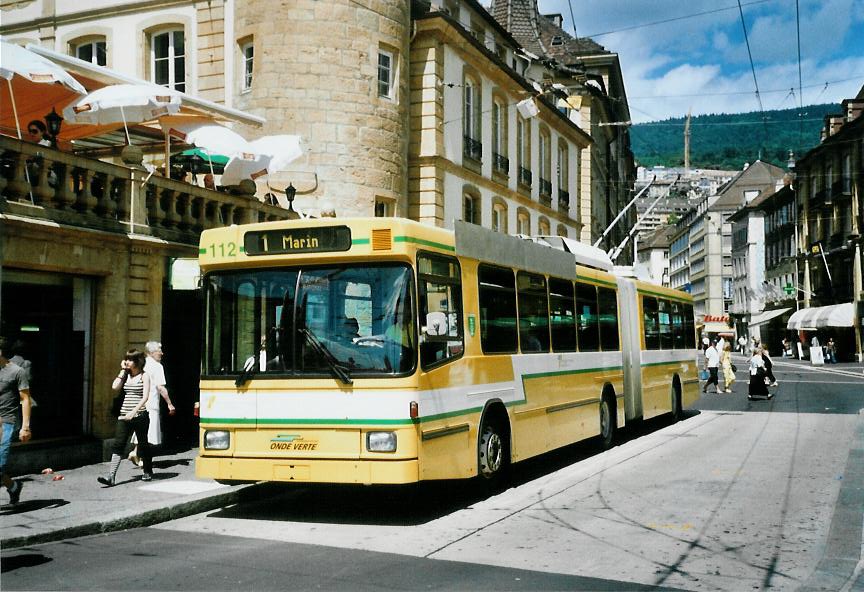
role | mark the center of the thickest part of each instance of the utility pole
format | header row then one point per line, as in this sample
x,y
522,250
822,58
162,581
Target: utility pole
x,y
687,143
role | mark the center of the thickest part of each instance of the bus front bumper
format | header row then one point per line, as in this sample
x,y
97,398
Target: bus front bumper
x,y
308,470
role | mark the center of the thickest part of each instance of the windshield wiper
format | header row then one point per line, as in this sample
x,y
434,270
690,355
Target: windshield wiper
x,y
249,370
338,370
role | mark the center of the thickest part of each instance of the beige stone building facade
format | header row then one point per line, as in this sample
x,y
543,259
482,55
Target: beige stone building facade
x,y
427,110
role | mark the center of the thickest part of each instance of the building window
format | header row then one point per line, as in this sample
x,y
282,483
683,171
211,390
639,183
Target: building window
x,y
523,223
471,208
92,51
847,174
248,52
500,163
543,227
168,59
545,163
471,118
499,217
563,175
386,70
523,150
383,208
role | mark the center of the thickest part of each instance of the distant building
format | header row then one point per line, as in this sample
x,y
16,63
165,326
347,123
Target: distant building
x,y
653,254
708,245
829,185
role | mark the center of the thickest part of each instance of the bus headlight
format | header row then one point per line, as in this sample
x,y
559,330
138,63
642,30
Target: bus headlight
x,y
381,441
217,440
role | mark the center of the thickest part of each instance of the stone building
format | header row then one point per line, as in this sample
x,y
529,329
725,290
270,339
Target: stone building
x,y
829,185
431,111
596,99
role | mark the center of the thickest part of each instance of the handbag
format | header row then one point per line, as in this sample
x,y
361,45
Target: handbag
x,y
734,368
703,375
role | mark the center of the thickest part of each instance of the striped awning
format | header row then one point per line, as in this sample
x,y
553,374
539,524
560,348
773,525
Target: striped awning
x,y
835,315
767,315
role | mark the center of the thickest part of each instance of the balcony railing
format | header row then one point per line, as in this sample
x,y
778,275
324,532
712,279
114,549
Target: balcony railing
x,y
525,177
501,163
545,187
563,200
473,148
78,191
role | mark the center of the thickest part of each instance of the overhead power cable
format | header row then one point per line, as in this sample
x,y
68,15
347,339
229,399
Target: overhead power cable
x,y
752,65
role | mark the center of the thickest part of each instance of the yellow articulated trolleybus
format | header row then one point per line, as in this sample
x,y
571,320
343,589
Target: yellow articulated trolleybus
x,y
384,351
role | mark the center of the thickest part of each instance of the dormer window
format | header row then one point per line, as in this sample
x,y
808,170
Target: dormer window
x,y
557,41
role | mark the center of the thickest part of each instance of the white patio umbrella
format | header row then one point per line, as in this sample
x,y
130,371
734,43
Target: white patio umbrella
x,y
17,61
126,103
270,154
212,138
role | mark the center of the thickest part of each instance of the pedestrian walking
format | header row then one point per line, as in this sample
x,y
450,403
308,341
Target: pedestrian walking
x,y
728,367
742,345
831,350
135,384
757,388
712,361
14,393
158,392
769,364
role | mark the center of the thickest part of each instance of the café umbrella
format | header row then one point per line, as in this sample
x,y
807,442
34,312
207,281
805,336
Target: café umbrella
x,y
126,103
269,154
212,138
17,61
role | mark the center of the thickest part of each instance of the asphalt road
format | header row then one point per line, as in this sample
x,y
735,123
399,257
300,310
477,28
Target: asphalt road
x,y
740,495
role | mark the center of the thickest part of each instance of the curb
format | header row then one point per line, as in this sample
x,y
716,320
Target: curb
x,y
143,519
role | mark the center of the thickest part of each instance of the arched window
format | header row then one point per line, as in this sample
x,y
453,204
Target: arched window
x,y
543,226
523,222
471,206
92,49
562,230
168,58
499,215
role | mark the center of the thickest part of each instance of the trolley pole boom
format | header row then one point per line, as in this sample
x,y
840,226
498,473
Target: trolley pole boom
x,y
623,211
613,254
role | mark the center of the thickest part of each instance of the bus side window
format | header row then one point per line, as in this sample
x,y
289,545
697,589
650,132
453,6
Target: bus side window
x,y
689,327
649,321
562,312
589,319
497,294
533,312
665,324
678,329
608,301
440,288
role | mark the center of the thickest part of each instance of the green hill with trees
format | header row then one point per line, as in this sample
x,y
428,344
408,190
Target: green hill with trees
x,y
728,141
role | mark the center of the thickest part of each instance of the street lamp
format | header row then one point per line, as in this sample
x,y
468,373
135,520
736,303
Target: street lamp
x,y
290,191
53,121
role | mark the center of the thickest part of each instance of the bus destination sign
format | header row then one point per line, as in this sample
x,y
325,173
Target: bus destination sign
x,y
290,241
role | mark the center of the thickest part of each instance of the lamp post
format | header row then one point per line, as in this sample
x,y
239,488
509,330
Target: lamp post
x,y
53,122
290,191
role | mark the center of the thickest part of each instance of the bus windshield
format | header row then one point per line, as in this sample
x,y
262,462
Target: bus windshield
x,y
311,322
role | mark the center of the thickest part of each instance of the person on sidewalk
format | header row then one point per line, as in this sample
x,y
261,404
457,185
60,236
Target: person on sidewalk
x,y
153,367
726,363
758,388
135,384
712,361
14,392
769,364
831,351
742,345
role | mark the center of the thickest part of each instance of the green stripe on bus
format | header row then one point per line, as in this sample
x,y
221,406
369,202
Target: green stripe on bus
x,y
360,241
202,251
565,372
303,421
420,241
661,295
595,281
675,362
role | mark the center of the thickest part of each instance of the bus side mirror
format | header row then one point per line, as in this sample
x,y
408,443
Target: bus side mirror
x,y
436,324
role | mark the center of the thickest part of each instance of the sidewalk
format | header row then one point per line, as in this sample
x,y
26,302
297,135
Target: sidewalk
x,y
855,368
54,508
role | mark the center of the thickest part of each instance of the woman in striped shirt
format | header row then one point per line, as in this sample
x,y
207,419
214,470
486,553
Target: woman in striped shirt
x,y
133,415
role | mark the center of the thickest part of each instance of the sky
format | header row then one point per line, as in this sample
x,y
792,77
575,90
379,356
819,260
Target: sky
x,y
698,60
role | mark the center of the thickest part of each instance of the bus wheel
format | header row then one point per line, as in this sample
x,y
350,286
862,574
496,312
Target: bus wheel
x,y
607,422
491,453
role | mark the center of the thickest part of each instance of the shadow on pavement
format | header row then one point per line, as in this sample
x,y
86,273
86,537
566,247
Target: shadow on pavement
x,y
11,563
31,505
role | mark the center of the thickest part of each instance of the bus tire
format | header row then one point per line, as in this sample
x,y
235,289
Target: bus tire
x,y
491,450
677,409
608,420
